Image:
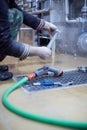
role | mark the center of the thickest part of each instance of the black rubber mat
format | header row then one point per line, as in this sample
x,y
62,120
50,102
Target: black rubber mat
x,y
68,79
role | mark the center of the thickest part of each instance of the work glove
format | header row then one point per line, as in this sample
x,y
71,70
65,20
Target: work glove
x,y
49,27
43,52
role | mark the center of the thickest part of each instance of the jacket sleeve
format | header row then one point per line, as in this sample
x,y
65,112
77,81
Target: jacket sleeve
x,y
30,20
7,45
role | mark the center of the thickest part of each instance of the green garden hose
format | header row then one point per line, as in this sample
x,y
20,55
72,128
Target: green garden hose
x,y
47,120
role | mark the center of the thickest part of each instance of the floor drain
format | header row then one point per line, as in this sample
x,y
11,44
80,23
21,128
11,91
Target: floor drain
x,y
68,79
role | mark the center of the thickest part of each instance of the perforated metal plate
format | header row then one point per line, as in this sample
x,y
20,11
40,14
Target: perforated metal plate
x,y
68,79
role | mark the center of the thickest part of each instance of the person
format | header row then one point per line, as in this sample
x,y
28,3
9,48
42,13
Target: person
x,y
11,18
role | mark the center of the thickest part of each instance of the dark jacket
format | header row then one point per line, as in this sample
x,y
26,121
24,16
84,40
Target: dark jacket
x,y
8,46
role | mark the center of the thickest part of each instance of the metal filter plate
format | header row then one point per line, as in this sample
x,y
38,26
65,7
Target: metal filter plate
x,y
68,79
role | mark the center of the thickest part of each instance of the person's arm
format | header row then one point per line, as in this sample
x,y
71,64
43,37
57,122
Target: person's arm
x,y
7,45
29,19
35,22
11,47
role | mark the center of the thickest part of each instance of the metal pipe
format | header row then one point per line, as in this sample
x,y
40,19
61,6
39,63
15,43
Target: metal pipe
x,y
40,11
25,29
53,39
77,20
85,3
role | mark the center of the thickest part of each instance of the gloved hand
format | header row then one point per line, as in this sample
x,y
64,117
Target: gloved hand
x,y
49,27
42,52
